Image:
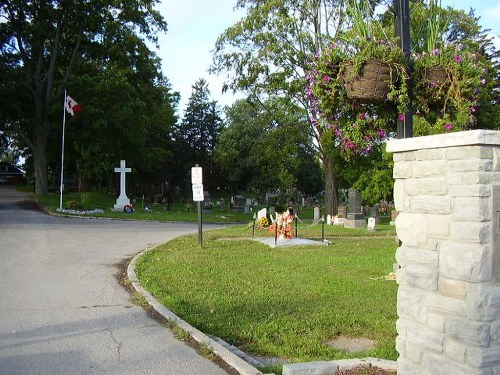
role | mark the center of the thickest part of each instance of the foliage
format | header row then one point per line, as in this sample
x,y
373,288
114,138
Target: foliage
x,y
449,103
265,54
270,144
358,126
44,44
469,86
198,133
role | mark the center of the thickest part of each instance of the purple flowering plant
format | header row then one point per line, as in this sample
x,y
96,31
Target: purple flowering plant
x,y
448,100
356,126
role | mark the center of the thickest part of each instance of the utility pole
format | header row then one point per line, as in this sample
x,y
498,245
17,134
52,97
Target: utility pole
x,y
402,18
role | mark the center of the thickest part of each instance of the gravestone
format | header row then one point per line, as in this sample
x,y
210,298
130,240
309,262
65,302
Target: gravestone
x,y
206,196
239,203
342,212
262,213
371,224
317,213
248,204
272,211
355,217
374,212
122,200
394,215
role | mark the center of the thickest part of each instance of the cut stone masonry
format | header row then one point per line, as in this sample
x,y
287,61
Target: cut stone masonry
x,y
447,192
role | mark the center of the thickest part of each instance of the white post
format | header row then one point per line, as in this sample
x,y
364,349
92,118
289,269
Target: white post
x,y
122,200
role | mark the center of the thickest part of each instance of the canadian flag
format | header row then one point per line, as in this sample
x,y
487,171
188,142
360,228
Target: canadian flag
x,y
71,106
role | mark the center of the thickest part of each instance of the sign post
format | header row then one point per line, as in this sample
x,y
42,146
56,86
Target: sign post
x,y
197,181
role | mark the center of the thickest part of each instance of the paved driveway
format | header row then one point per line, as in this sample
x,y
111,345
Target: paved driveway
x,y
62,310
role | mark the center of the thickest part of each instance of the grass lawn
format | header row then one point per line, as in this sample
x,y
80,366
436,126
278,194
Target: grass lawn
x,y
282,302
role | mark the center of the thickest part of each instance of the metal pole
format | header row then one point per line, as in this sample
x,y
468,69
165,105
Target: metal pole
x,y
402,19
296,224
323,228
253,227
61,187
200,225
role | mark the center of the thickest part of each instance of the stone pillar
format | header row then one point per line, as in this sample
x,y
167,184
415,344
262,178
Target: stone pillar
x,y
447,192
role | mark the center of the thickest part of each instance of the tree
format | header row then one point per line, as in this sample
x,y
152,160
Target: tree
x,y
257,151
198,132
267,53
42,43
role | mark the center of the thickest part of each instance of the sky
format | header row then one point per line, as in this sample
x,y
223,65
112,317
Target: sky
x,y
194,25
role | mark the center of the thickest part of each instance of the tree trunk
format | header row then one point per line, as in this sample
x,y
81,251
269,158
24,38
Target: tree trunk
x,y
39,148
40,167
331,195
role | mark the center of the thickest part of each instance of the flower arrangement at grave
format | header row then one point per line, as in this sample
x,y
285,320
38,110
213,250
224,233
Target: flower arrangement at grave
x,y
357,86
449,79
263,222
282,226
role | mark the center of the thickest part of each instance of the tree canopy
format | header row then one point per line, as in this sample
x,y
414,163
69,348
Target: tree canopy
x,y
50,46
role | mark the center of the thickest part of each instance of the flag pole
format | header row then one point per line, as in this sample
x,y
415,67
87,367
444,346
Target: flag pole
x,y
61,187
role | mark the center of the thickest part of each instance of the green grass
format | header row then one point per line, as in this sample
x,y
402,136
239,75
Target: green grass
x,y
281,302
180,213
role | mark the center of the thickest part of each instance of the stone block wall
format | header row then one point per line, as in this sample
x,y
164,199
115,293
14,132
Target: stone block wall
x,y
447,192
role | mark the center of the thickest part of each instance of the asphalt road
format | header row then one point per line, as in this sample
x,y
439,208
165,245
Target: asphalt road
x,y
62,311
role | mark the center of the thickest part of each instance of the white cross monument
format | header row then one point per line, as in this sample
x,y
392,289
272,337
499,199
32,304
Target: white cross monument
x,y
122,200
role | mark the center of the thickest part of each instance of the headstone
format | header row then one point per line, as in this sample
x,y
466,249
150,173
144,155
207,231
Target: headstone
x,y
342,212
122,200
272,211
317,213
271,198
371,223
374,212
239,203
206,196
262,213
394,215
355,217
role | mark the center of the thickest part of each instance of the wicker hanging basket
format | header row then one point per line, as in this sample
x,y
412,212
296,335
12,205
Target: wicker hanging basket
x,y
436,74
372,84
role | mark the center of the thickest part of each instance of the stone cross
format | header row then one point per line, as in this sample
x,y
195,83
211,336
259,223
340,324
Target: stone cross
x,y
122,200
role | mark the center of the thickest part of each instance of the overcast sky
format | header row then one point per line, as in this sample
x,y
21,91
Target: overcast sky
x,y
194,25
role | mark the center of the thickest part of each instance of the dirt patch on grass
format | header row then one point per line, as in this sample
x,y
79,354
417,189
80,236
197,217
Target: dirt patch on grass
x,y
351,344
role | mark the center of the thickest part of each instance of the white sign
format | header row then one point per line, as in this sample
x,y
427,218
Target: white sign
x,y
198,192
196,176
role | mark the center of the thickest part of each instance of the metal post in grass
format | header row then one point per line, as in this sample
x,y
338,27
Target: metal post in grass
x,y
275,232
323,228
253,227
296,224
197,181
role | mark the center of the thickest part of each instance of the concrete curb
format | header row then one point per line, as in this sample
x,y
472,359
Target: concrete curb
x,y
225,354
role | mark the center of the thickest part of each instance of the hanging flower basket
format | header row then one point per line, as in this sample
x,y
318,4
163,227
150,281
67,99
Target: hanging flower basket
x,y
436,74
372,83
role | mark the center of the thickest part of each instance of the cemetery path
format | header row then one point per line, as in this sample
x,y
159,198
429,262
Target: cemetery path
x,y
62,309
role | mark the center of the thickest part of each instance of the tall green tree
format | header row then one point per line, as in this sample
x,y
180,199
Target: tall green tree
x,y
42,43
257,151
267,53
198,132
